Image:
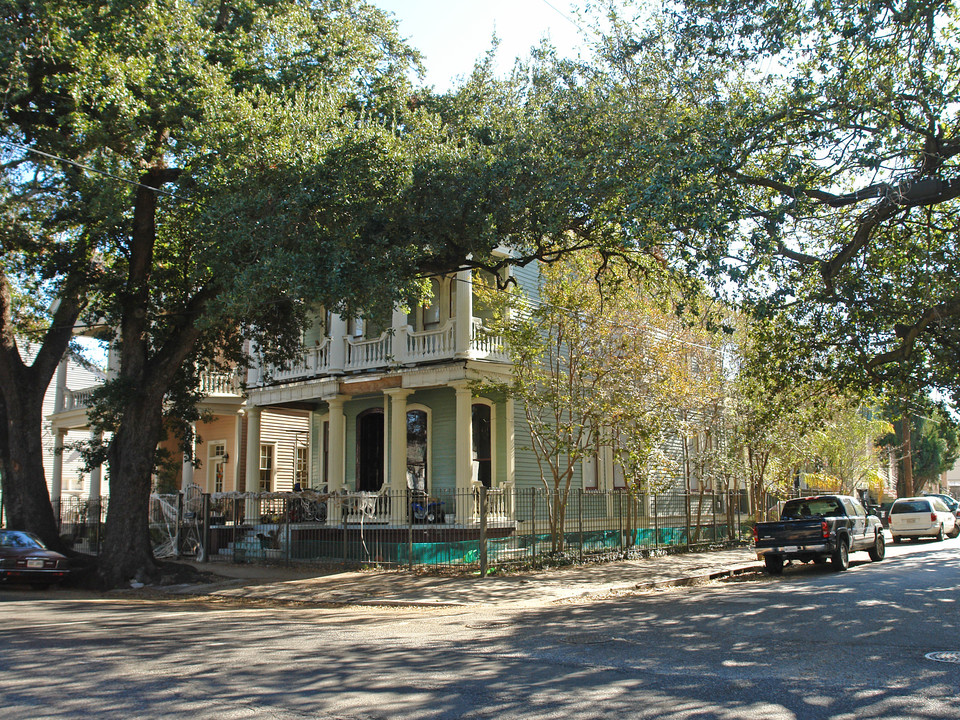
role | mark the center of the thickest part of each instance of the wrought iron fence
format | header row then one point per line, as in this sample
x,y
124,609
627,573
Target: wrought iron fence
x,y
479,527
80,521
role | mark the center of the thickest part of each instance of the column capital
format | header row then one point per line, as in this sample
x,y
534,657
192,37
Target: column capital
x,y
398,393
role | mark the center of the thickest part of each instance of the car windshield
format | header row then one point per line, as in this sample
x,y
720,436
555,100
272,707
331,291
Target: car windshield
x,y
17,539
910,506
810,507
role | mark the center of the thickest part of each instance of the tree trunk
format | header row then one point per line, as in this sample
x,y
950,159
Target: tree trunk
x,y
22,388
127,549
25,496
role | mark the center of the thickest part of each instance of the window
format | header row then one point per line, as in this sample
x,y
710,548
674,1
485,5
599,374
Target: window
x,y
218,451
417,450
300,467
266,468
591,472
431,310
482,460
355,327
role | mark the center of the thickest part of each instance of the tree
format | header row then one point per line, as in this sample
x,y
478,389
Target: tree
x,y
226,166
251,144
932,449
599,360
839,134
846,447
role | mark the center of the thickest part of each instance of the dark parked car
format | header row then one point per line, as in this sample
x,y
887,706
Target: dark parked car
x,y
24,558
820,528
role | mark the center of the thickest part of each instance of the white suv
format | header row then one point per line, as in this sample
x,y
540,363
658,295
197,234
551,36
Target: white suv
x,y
922,517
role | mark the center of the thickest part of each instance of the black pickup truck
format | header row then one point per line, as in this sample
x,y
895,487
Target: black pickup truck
x,y
821,528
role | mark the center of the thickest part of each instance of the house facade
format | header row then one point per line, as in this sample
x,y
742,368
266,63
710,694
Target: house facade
x,y
393,408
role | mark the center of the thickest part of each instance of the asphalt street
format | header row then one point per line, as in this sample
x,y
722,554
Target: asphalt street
x,y
812,643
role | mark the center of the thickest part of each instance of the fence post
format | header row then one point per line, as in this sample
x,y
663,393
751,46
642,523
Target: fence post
x,y
179,529
236,525
483,531
619,497
739,521
410,528
580,523
205,541
343,522
533,518
656,525
686,503
714,494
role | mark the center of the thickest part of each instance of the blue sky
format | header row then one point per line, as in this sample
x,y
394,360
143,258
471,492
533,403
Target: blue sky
x,y
452,34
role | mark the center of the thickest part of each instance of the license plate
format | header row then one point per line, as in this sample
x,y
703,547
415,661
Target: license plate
x,y
790,548
34,563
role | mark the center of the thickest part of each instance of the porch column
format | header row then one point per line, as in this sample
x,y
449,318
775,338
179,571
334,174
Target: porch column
x,y
93,494
398,453
56,478
60,391
338,348
336,465
509,409
464,456
464,330
251,507
400,330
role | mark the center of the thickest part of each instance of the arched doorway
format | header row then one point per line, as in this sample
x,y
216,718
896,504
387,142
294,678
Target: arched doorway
x,y
482,459
370,450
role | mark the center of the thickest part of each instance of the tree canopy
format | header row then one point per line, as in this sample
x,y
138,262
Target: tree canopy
x,y
829,134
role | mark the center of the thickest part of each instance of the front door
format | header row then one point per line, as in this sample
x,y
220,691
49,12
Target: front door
x,y
370,450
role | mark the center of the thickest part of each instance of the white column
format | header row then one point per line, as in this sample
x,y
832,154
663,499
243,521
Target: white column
x,y
398,452
509,409
60,391
464,310
338,347
336,467
56,479
464,456
252,475
400,330
251,507
335,463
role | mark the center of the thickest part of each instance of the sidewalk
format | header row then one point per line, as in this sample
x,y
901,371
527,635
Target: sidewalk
x,y
400,588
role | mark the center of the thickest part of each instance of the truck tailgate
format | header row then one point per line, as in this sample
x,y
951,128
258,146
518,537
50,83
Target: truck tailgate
x,y
789,532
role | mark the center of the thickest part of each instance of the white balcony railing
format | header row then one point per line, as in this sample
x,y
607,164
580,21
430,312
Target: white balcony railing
x,y
485,345
368,354
313,361
431,344
397,346
78,399
219,384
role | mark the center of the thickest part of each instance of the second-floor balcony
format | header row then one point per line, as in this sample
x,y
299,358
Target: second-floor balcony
x,y
396,347
212,385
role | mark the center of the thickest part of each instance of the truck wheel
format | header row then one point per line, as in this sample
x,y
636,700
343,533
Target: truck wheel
x,y
879,549
774,564
896,539
841,556
955,532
